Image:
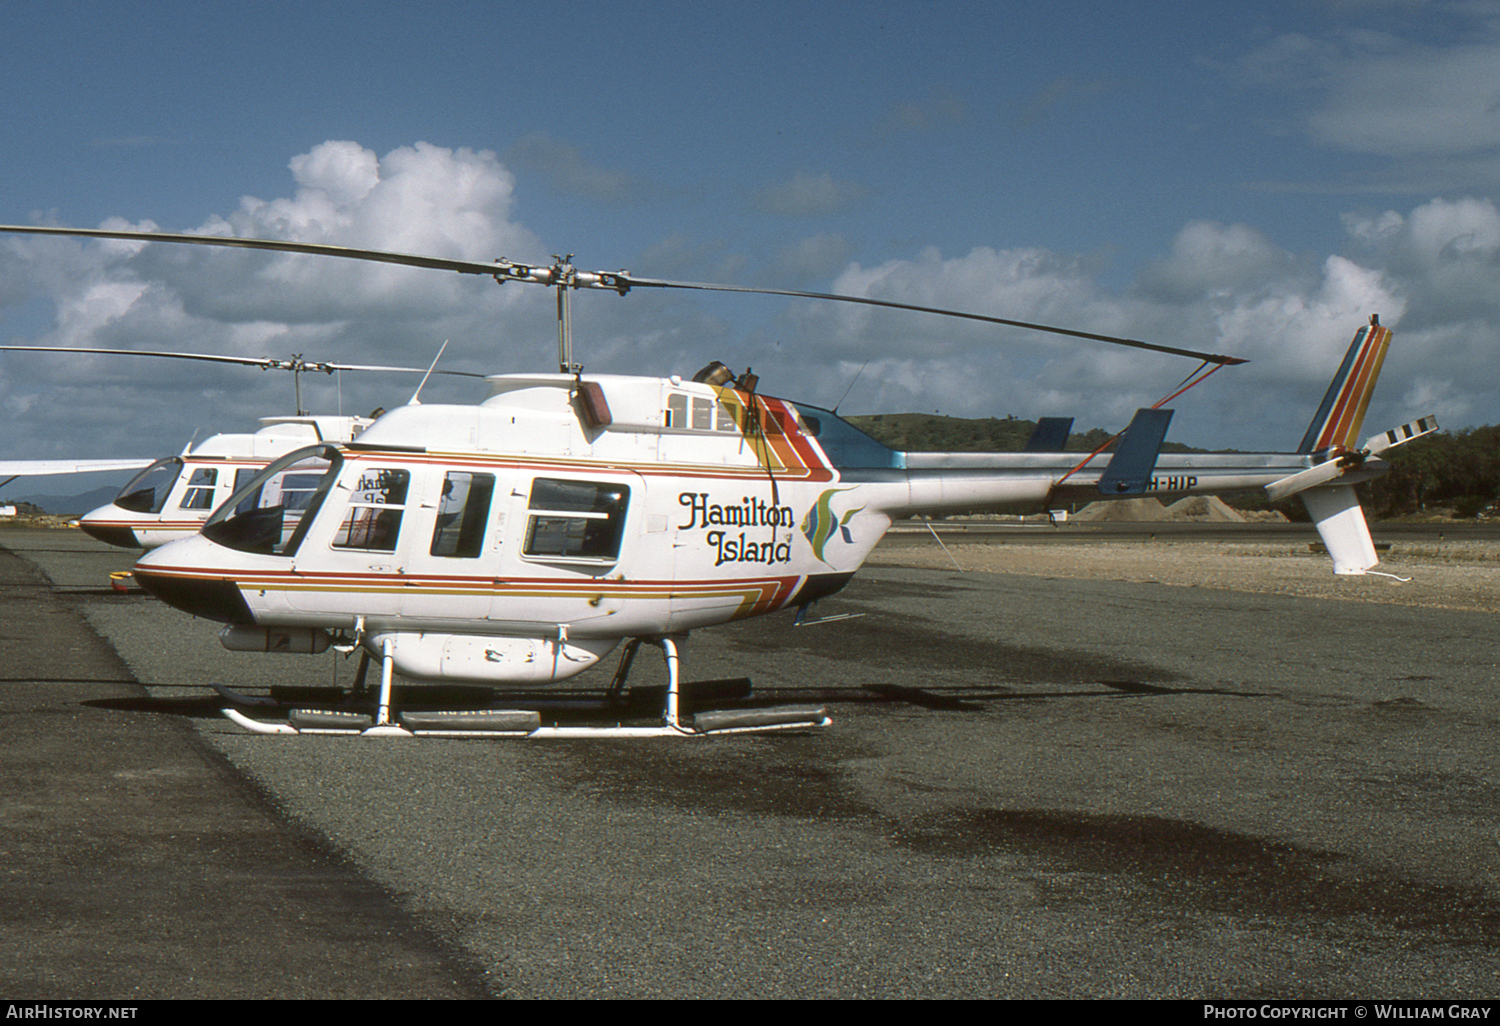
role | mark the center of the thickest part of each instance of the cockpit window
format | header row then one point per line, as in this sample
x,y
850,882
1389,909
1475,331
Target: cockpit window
x,y
147,492
271,513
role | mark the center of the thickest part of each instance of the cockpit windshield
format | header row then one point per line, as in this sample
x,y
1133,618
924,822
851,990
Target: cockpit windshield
x,y
270,514
147,492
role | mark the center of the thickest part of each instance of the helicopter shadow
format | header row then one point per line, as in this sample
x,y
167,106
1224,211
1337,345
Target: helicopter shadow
x,y
645,702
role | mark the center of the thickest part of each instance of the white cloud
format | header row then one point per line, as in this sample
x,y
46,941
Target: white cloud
x,y
1449,250
1209,258
565,168
1440,398
1401,99
420,199
1293,326
1458,230
812,259
941,107
1427,109
1299,335
344,172
809,195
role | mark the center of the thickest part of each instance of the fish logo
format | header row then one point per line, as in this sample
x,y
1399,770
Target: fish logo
x,y
821,522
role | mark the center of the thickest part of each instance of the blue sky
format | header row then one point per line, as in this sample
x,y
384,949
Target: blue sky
x,y
1252,178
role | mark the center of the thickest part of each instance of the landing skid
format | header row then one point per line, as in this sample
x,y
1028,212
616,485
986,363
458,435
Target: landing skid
x,y
523,723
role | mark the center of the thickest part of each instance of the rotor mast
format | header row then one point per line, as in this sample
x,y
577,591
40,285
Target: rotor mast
x,y
566,274
562,276
297,365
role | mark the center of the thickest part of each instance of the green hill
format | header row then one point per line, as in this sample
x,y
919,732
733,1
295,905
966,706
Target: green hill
x,y
931,432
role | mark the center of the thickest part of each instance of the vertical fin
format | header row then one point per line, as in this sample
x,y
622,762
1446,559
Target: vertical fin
x,y
1341,414
1129,470
1341,525
1050,435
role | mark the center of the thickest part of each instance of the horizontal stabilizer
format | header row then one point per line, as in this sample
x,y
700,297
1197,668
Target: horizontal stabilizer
x,y
1050,435
1129,470
1401,435
1333,469
1303,480
1341,525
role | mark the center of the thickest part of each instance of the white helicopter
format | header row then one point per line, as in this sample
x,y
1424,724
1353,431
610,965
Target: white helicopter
x,y
172,497
517,542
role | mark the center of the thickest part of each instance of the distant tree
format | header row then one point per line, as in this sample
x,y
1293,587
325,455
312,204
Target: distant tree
x,y
1459,470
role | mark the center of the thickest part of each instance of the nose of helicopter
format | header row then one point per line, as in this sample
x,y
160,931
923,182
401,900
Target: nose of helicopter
x,y
105,524
194,575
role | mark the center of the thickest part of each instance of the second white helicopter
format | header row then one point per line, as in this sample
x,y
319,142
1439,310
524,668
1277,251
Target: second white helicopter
x,y
171,497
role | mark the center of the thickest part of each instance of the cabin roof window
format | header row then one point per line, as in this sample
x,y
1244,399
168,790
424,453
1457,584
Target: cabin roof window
x,y
703,413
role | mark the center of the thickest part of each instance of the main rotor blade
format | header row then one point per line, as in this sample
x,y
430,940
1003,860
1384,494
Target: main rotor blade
x,y
564,275
296,363
635,282
313,248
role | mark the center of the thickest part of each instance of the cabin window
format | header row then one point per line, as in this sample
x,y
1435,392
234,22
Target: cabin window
x,y
373,521
200,493
462,512
695,413
728,417
271,512
703,414
575,519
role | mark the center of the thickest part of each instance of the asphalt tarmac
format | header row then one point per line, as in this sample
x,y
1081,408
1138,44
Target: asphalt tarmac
x,y
1032,788
137,863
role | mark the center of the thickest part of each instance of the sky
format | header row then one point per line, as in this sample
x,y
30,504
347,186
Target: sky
x,y
1253,178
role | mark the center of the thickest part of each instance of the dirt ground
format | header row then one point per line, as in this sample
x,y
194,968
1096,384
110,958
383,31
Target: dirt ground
x,y
1455,575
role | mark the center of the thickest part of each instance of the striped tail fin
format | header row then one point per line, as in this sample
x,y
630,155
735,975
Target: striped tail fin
x,y
1338,420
